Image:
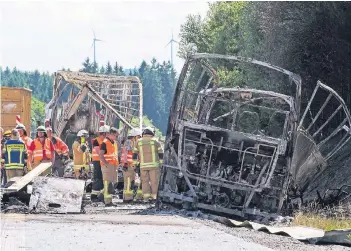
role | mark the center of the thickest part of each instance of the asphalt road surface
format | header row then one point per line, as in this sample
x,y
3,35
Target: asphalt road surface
x,y
114,231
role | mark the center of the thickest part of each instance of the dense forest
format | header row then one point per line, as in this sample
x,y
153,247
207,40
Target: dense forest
x,y
158,81
312,39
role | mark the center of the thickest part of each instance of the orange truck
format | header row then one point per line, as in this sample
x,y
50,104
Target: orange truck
x,y
15,107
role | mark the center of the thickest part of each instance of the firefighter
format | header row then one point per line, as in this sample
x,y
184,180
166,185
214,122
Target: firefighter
x,y
47,123
41,149
1,135
2,167
98,185
61,153
14,154
27,140
128,165
6,136
109,164
81,154
149,154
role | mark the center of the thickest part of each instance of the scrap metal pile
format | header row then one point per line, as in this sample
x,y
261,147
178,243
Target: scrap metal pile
x,y
81,100
244,151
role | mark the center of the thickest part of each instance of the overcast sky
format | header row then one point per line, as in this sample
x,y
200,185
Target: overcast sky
x,y
49,35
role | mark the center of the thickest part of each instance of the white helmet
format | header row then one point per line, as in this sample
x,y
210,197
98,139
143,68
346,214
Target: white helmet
x,y
149,130
82,133
20,126
104,128
135,132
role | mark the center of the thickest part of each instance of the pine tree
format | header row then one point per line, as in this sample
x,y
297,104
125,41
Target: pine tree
x,y
109,68
102,70
115,69
135,72
95,67
87,65
142,69
121,71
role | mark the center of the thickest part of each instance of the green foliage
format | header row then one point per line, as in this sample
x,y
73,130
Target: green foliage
x,y
39,83
230,78
158,84
38,111
147,122
312,39
158,80
108,68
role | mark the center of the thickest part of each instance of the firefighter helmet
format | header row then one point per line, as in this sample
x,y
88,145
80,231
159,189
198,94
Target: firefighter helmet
x,y
41,129
20,126
149,130
7,133
104,129
135,132
82,133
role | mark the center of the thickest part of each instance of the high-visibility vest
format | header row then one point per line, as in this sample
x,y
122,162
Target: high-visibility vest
x,y
15,153
127,152
111,155
95,155
60,147
27,140
38,151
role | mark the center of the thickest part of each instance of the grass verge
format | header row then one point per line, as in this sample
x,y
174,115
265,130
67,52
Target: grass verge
x,y
321,222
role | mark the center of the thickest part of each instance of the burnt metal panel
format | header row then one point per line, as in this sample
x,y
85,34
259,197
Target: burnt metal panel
x,y
56,195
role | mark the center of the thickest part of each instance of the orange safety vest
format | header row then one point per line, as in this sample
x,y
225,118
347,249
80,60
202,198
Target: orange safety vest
x,y
38,151
27,141
111,155
130,158
127,156
95,155
61,147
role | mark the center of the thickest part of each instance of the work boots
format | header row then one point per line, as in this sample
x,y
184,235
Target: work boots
x,y
97,198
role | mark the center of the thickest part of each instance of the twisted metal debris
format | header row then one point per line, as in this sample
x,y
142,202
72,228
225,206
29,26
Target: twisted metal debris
x,y
240,150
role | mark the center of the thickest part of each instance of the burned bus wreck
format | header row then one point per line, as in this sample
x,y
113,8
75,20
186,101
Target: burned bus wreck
x,y
231,150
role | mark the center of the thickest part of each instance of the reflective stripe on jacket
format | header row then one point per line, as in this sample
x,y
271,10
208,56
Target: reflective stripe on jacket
x,y
38,151
14,154
127,152
111,155
148,150
95,155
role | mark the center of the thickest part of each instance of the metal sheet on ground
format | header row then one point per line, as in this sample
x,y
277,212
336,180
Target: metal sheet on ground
x,y
313,235
296,232
56,195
